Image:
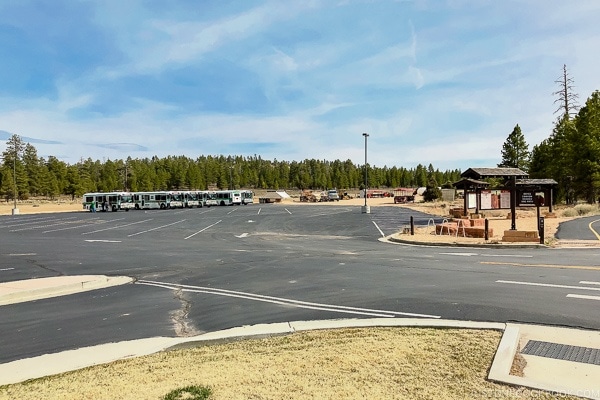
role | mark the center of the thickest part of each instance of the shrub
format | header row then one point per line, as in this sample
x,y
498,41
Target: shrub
x,y
581,209
569,212
189,393
586,209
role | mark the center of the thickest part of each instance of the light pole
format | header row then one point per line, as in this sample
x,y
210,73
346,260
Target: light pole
x,y
366,209
231,175
15,209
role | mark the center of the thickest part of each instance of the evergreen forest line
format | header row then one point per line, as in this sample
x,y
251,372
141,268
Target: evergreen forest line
x,y
36,176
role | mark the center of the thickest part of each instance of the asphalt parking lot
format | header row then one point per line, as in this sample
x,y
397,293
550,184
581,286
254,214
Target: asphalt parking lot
x,y
201,270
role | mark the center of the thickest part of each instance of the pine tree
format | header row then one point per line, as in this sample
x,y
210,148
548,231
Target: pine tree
x,y
515,151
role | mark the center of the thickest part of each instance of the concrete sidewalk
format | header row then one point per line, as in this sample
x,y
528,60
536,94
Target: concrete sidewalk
x,y
556,359
41,288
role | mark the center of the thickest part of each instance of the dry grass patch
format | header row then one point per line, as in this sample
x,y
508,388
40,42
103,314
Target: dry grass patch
x,y
375,363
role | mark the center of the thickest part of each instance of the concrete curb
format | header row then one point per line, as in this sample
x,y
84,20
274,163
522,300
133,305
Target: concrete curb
x,y
480,245
70,360
503,360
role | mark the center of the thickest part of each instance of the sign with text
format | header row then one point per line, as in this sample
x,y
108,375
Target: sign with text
x,y
530,198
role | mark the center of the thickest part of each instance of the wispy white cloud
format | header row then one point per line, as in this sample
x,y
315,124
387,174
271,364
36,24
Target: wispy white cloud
x,y
432,82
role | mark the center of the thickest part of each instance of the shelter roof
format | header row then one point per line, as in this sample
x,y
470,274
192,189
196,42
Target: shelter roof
x,y
536,182
468,183
482,173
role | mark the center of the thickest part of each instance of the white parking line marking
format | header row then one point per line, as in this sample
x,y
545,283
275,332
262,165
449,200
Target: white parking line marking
x,y
153,229
283,301
30,228
202,230
380,231
583,296
258,213
6,269
22,254
235,209
116,227
289,212
243,235
102,241
549,285
80,226
487,255
589,283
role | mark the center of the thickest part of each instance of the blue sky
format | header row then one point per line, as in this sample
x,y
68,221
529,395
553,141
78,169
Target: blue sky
x,y
432,81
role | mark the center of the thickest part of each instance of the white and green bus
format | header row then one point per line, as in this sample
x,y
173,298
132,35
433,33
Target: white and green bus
x,y
108,201
228,197
177,199
152,200
192,199
210,198
247,196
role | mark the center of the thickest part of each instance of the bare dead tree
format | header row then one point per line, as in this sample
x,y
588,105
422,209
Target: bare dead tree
x,y
567,98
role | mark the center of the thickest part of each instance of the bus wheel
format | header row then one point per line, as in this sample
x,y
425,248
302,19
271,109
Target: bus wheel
x,y
114,208
127,209
222,203
162,206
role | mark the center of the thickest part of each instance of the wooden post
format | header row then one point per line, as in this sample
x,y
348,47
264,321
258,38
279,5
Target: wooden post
x,y
486,229
513,204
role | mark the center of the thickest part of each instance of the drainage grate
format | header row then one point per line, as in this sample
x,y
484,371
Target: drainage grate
x,y
557,351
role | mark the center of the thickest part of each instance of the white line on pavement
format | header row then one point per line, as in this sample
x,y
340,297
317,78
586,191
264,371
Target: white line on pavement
x,y
102,241
283,301
116,227
258,213
22,254
289,212
80,226
158,227
549,285
460,254
202,230
583,296
380,231
6,269
235,209
486,255
589,283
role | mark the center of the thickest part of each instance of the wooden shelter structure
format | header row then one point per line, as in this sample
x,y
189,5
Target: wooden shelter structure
x,y
524,192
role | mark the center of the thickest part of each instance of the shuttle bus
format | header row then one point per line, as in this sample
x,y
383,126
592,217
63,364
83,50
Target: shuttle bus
x,y
108,201
228,197
152,200
192,199
210,198
247,196
177,199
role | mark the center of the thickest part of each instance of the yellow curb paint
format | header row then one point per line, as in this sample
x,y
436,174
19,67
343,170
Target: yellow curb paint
x,y
592,229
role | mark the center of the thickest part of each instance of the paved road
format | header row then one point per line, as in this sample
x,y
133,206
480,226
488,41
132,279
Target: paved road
x,y
585,228
201,270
